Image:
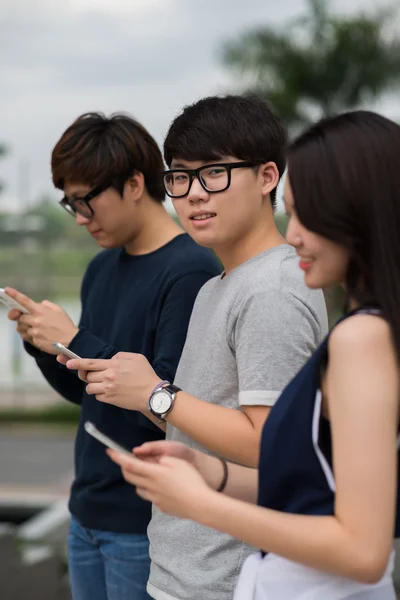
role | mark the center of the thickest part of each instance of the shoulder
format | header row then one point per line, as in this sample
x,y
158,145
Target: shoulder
x,y
100,259
185,256
309,301
362,334
276,281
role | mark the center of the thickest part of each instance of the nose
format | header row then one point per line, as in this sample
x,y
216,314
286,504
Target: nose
x,y
293,236
81,220
197,193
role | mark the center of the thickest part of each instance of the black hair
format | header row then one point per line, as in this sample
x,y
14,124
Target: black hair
x,y
245,127
97,150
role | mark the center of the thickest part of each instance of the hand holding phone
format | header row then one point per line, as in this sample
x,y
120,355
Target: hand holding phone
x,y
104,439
63,350
10,303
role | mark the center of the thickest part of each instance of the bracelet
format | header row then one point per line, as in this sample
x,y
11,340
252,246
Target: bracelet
x,y
224,481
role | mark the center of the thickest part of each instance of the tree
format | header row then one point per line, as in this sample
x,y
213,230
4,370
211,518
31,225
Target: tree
x,y
319,64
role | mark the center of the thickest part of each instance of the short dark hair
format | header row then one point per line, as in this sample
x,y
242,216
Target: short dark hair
x,y
97,150
345,176
242,126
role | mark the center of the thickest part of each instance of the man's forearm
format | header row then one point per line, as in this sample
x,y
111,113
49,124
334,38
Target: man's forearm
x,y
226,432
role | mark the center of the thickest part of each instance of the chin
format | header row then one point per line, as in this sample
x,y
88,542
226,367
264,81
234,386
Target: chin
x,y
207,241
316,282
313,281
108,244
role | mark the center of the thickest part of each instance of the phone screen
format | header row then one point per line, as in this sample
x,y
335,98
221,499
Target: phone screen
x,y
104,439
10,303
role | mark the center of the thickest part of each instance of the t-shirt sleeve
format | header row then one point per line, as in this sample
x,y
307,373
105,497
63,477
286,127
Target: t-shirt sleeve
x,y
274,335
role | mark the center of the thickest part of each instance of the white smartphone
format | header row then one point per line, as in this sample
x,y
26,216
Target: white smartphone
x,y
10,303
104,439
63,350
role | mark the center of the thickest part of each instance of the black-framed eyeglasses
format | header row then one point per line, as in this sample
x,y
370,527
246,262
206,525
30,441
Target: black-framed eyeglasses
x,y
81,205
213,178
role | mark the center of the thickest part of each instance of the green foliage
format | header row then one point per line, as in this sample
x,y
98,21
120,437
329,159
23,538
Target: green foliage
x,y
281,221
319,64
61,414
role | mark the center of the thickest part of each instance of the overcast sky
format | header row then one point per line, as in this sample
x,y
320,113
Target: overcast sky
x,y
60,58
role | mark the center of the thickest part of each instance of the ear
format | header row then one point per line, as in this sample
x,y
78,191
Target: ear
x,y
135,186
269,177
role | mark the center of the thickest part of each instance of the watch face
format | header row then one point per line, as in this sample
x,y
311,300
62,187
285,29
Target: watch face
x,y
161,402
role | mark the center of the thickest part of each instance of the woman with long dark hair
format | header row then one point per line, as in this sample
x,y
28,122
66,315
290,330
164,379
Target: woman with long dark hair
x,y
327,484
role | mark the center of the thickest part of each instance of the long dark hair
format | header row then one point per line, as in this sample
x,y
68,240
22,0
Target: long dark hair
x,y
345,176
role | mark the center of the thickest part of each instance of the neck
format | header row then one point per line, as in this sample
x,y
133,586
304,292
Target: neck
x,y
260,239
158,229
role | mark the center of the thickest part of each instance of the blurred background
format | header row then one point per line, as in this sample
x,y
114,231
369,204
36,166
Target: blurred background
x,y
60,58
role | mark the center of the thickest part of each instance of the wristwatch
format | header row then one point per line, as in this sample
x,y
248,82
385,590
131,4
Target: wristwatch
x,y
162,401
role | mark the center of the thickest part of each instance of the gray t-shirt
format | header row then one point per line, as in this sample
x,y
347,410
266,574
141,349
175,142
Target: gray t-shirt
x,y
249,334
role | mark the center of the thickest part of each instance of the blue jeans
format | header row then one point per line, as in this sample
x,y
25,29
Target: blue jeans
x,y
107,566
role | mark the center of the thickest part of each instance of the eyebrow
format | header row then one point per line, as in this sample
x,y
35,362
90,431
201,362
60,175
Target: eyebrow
x,y
75,195
179,166
211,161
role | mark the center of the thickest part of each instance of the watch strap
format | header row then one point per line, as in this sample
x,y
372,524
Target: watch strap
x,y
171,388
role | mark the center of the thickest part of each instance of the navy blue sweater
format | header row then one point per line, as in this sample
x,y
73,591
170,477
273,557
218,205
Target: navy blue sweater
x,y
132,304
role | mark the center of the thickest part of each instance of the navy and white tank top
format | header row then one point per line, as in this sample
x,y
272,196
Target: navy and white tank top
x,y
295,468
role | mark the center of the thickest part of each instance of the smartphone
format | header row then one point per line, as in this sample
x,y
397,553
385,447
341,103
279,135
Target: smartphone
x,y
10,303
104,439
63,350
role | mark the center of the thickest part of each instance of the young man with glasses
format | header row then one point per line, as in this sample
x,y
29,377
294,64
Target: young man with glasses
x,y
251,329
137,295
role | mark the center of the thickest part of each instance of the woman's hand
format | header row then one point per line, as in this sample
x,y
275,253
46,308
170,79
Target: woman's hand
x,y
154,451
173,484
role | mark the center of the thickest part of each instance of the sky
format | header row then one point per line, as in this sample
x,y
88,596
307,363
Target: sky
x,y
61,58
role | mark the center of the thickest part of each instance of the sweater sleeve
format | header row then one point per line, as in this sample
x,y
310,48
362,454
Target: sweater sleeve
x,y
63,381
173,325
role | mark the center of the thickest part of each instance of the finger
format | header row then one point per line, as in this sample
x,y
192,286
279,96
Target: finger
x,y
27,320
134,466
124,355
88,364
26,302
151,449
94,376
14,314
172,462
27,338
51,305
22,328
145,494
83,375
95,389
62,359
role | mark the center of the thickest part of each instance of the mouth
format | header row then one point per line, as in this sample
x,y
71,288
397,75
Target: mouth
x,y
202,218
95,233
305,264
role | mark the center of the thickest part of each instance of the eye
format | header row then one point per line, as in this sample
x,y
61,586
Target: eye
x,y
216,171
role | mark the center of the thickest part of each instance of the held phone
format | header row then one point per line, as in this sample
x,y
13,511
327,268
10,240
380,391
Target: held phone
x,y
10,303
104,439
63,350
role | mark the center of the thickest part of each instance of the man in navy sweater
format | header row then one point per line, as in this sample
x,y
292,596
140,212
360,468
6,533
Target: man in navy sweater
x,y
137,296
